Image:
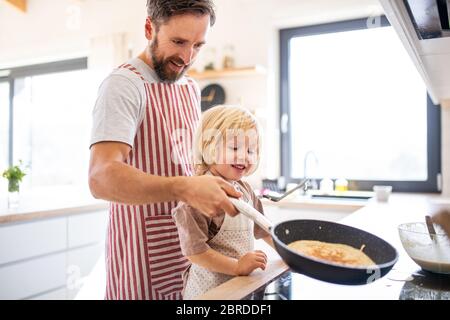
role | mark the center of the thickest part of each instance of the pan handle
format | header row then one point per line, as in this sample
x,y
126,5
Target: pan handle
x,y
253,214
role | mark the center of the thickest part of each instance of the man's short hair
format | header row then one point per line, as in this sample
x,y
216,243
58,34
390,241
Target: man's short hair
x,y
160,11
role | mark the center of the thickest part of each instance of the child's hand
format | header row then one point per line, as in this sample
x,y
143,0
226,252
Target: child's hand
x,y
251,261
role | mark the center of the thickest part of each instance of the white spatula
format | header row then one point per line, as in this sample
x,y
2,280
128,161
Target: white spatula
x,y
253,214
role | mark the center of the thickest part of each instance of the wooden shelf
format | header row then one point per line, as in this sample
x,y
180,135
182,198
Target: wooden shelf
x,y
211,74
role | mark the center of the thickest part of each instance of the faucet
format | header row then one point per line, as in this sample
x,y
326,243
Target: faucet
x,y
313,185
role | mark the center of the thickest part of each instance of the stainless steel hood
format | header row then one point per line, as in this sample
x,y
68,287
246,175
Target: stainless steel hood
x,y
423,28
429,17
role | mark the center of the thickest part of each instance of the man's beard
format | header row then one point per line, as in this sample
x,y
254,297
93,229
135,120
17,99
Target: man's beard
x,y
161,67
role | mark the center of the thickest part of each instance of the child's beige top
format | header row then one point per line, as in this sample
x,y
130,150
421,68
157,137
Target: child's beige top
x,y
195,229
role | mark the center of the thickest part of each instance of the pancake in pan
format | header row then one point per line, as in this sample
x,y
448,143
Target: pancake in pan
x,y
332,252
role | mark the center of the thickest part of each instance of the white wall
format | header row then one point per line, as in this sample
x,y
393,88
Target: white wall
x,y
57,29
49,31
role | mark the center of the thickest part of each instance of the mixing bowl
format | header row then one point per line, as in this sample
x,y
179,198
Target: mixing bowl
x,y
430,254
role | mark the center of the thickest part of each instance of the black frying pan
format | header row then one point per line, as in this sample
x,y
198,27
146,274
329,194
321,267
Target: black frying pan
x,y
381,252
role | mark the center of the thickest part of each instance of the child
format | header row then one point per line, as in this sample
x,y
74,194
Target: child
x,y
226,144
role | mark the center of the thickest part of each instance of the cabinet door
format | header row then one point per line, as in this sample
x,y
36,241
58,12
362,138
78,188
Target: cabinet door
x,y
32,239
85,229
84,259
60,294
32,278
80,263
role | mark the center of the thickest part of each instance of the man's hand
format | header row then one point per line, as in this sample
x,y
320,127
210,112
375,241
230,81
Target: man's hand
x,y
208,194
251,261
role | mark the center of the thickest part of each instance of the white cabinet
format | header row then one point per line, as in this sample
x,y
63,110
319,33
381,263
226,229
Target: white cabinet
x,y
87,228
60,294
80,263
26,240
48,258
84,259
26,279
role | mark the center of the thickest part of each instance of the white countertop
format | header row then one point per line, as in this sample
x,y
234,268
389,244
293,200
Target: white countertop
x,y
49,202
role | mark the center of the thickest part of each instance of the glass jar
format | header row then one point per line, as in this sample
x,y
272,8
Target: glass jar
x,y
13,194
13,199
210,58
228,57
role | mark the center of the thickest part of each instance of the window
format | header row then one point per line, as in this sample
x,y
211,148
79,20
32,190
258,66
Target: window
x,y
51,122
4,124
352,97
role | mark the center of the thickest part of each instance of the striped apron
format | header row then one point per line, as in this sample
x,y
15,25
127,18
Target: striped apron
x,y
143,255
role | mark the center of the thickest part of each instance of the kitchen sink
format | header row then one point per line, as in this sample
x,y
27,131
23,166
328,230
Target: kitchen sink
x,y
343,197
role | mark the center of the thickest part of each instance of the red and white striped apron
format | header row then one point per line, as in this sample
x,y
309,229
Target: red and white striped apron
x,y
143,255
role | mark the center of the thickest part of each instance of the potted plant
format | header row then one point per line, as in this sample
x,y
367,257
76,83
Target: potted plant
x,y
14,175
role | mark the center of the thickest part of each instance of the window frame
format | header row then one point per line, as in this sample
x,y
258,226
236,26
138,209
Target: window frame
x,y
34,70
432,184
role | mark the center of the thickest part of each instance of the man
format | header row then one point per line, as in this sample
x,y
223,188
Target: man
x,y
144,118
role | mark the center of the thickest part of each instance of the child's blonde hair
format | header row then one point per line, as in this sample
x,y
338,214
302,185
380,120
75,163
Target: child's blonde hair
x,y
214,126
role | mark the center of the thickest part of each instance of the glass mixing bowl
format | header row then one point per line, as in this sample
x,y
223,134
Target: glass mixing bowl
x,y
430,255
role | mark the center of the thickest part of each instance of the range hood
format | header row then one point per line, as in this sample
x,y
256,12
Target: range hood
x,y
429,17
424,29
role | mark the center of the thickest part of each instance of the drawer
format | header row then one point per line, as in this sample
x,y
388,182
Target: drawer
x,y
84,259
60,294
80,264
25,240
30,278
87,228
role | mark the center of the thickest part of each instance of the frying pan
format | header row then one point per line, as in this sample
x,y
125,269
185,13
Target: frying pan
x,y
380,251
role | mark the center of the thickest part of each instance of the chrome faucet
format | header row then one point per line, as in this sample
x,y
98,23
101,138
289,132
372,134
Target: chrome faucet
x,y
277,197
313,184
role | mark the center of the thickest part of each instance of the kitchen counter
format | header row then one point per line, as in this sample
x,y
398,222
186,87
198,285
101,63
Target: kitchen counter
x,y
296,201
380,219
50,202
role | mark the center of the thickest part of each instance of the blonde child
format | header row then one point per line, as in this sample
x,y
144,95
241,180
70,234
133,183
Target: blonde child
x,y
226,144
